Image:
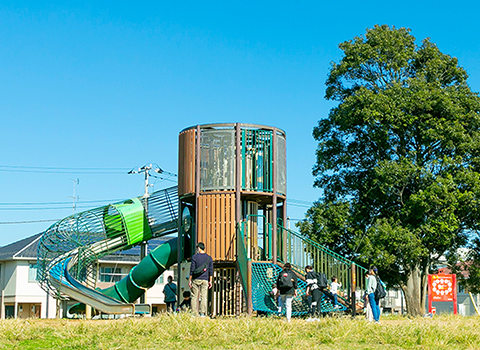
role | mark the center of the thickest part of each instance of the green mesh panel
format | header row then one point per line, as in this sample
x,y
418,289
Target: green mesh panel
x,y
88,236
264,276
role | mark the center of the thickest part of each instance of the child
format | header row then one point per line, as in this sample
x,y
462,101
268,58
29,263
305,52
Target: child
x,y
334,289
187,302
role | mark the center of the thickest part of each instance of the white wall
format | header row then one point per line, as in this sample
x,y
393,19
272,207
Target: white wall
x,y
9,278
19,290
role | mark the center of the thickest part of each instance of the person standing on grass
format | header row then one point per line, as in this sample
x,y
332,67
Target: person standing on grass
x,y
370,290
200,280
170,291
314,291
287,285
367,306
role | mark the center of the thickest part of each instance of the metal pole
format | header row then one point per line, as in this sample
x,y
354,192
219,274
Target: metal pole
x,y
274,199
144,245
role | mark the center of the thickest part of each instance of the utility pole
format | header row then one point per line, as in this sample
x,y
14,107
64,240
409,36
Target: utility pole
x,y
146,171
75,198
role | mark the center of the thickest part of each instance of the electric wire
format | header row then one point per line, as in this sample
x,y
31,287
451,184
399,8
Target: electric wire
x,y
27,222
62,170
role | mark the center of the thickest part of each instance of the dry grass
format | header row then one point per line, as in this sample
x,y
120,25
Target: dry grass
x,y
186,332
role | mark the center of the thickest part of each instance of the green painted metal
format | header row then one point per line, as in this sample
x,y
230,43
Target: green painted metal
x,y
257,160
268,243
143,275
90,235
242,256
292,234
127,218
264,275
302,251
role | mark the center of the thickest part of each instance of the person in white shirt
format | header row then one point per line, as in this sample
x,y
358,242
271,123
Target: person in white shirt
x,y
371,286
334,290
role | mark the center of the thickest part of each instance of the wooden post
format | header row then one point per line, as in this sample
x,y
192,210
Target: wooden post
x,y
238,174
274,199
353,284
197,186
249,288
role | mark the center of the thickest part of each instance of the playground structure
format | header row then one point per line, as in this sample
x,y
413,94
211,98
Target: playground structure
x,y
231,195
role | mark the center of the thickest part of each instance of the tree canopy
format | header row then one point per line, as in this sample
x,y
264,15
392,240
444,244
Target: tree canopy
x,y
397,158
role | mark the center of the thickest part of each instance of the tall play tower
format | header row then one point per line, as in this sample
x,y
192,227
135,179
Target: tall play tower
x,y
231,188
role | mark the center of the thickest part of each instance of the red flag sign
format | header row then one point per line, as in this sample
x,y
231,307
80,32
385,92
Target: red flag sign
x,y
442,287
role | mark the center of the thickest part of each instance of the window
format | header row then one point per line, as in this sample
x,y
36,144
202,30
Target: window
x,y
111,274
159,280
32,273
175,273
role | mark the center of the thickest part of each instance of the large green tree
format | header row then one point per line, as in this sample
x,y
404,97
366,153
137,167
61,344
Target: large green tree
x,y
397,159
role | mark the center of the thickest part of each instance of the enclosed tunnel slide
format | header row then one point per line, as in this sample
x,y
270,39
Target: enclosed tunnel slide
x,y
120,298
69,249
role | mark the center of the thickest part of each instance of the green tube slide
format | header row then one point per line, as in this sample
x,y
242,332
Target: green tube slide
x,y
143,276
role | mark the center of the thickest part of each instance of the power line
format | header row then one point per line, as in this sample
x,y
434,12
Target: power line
x,y
57,168
44,208
62,170
59,203
26,222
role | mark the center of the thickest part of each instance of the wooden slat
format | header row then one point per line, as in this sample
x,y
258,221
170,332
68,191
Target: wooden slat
x,y
209,232
186,162
221,226
217,237
232,235
201,220
216,226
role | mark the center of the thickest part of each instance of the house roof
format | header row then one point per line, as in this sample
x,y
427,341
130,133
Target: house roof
x,y
463,271
27,249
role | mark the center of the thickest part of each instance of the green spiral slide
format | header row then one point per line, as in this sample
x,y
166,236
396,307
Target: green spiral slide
x,y
69,250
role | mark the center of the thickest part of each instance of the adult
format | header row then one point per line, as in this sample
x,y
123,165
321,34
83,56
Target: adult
x,y
200,280
287,285
370,290
367,306
170,291
314,292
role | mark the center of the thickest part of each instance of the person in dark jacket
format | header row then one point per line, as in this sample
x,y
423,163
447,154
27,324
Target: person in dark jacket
x,y
286,285
186,304
314,291
170,291
201,275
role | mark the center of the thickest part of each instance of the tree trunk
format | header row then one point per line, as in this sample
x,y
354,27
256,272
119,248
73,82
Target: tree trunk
x,y
414,292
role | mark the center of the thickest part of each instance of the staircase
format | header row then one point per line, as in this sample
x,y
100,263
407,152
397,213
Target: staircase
x,y
259,276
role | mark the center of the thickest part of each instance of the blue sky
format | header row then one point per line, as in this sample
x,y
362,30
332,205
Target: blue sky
x,y
108,86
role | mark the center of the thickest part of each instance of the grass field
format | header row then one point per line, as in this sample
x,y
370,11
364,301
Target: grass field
x,y
186,332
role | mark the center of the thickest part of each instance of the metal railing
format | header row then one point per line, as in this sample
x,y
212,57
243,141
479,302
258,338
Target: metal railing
x,y
244,266
301,251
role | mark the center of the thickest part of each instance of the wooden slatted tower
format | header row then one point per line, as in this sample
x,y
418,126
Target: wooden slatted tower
x,y
230,175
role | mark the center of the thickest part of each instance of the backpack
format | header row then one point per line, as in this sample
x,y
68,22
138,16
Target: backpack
x,y
380,292
322,280
285,281
200,270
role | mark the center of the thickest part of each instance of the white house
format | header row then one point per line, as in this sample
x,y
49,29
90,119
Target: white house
x,y
22,297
